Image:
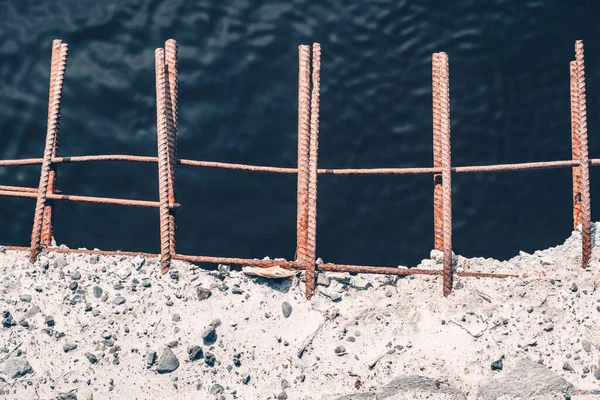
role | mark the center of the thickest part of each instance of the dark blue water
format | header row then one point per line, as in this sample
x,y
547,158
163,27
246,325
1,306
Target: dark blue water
x,y
509,73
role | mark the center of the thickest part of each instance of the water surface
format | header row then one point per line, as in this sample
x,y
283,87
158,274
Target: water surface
x,y
509,73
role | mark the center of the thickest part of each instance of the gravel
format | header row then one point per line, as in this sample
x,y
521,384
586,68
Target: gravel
x,y
15,367
67,347
195,352
97,290
25,298
150,358
91,358
286,308
119,300
209,335
167,362
203,293
492,337
497,365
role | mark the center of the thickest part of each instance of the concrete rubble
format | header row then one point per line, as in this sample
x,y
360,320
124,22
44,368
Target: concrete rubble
x,y
95,327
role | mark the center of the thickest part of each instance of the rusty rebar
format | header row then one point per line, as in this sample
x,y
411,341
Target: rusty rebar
x,y
593,162
25,193
52,129
18,189
362,269
586,219
458,170
438,222
48,220
575,148
163,160
242,261
172,83
444,93
272,263
303,151
312,166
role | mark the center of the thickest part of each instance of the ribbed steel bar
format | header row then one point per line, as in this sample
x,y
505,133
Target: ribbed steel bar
x,y
361,269
21,162
444,92
273,263
48,219
18,189
438,222
586,218
196,259
575,148
458,170
242,261
163,160
86,199
53,127
303,151
594,162
172,82
311,245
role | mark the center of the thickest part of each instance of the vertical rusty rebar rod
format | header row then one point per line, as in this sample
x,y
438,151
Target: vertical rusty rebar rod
x,y
172,90
575,148
438,222
303,151
47,234
52,129
444,94
313,165
163,160
586,219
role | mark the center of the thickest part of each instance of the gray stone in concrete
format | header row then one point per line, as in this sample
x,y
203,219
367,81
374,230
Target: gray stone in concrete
x,y
525,380
15,367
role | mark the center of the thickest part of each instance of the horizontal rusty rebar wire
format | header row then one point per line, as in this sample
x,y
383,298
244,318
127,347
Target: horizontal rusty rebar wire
x,y
594,162
18,189
87,199
272,263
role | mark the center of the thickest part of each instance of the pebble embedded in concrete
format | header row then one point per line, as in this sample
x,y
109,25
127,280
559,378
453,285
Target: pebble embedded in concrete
x,y
119,300
195,353
67,347
286,308
497,365
91,358
167,362
203,293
